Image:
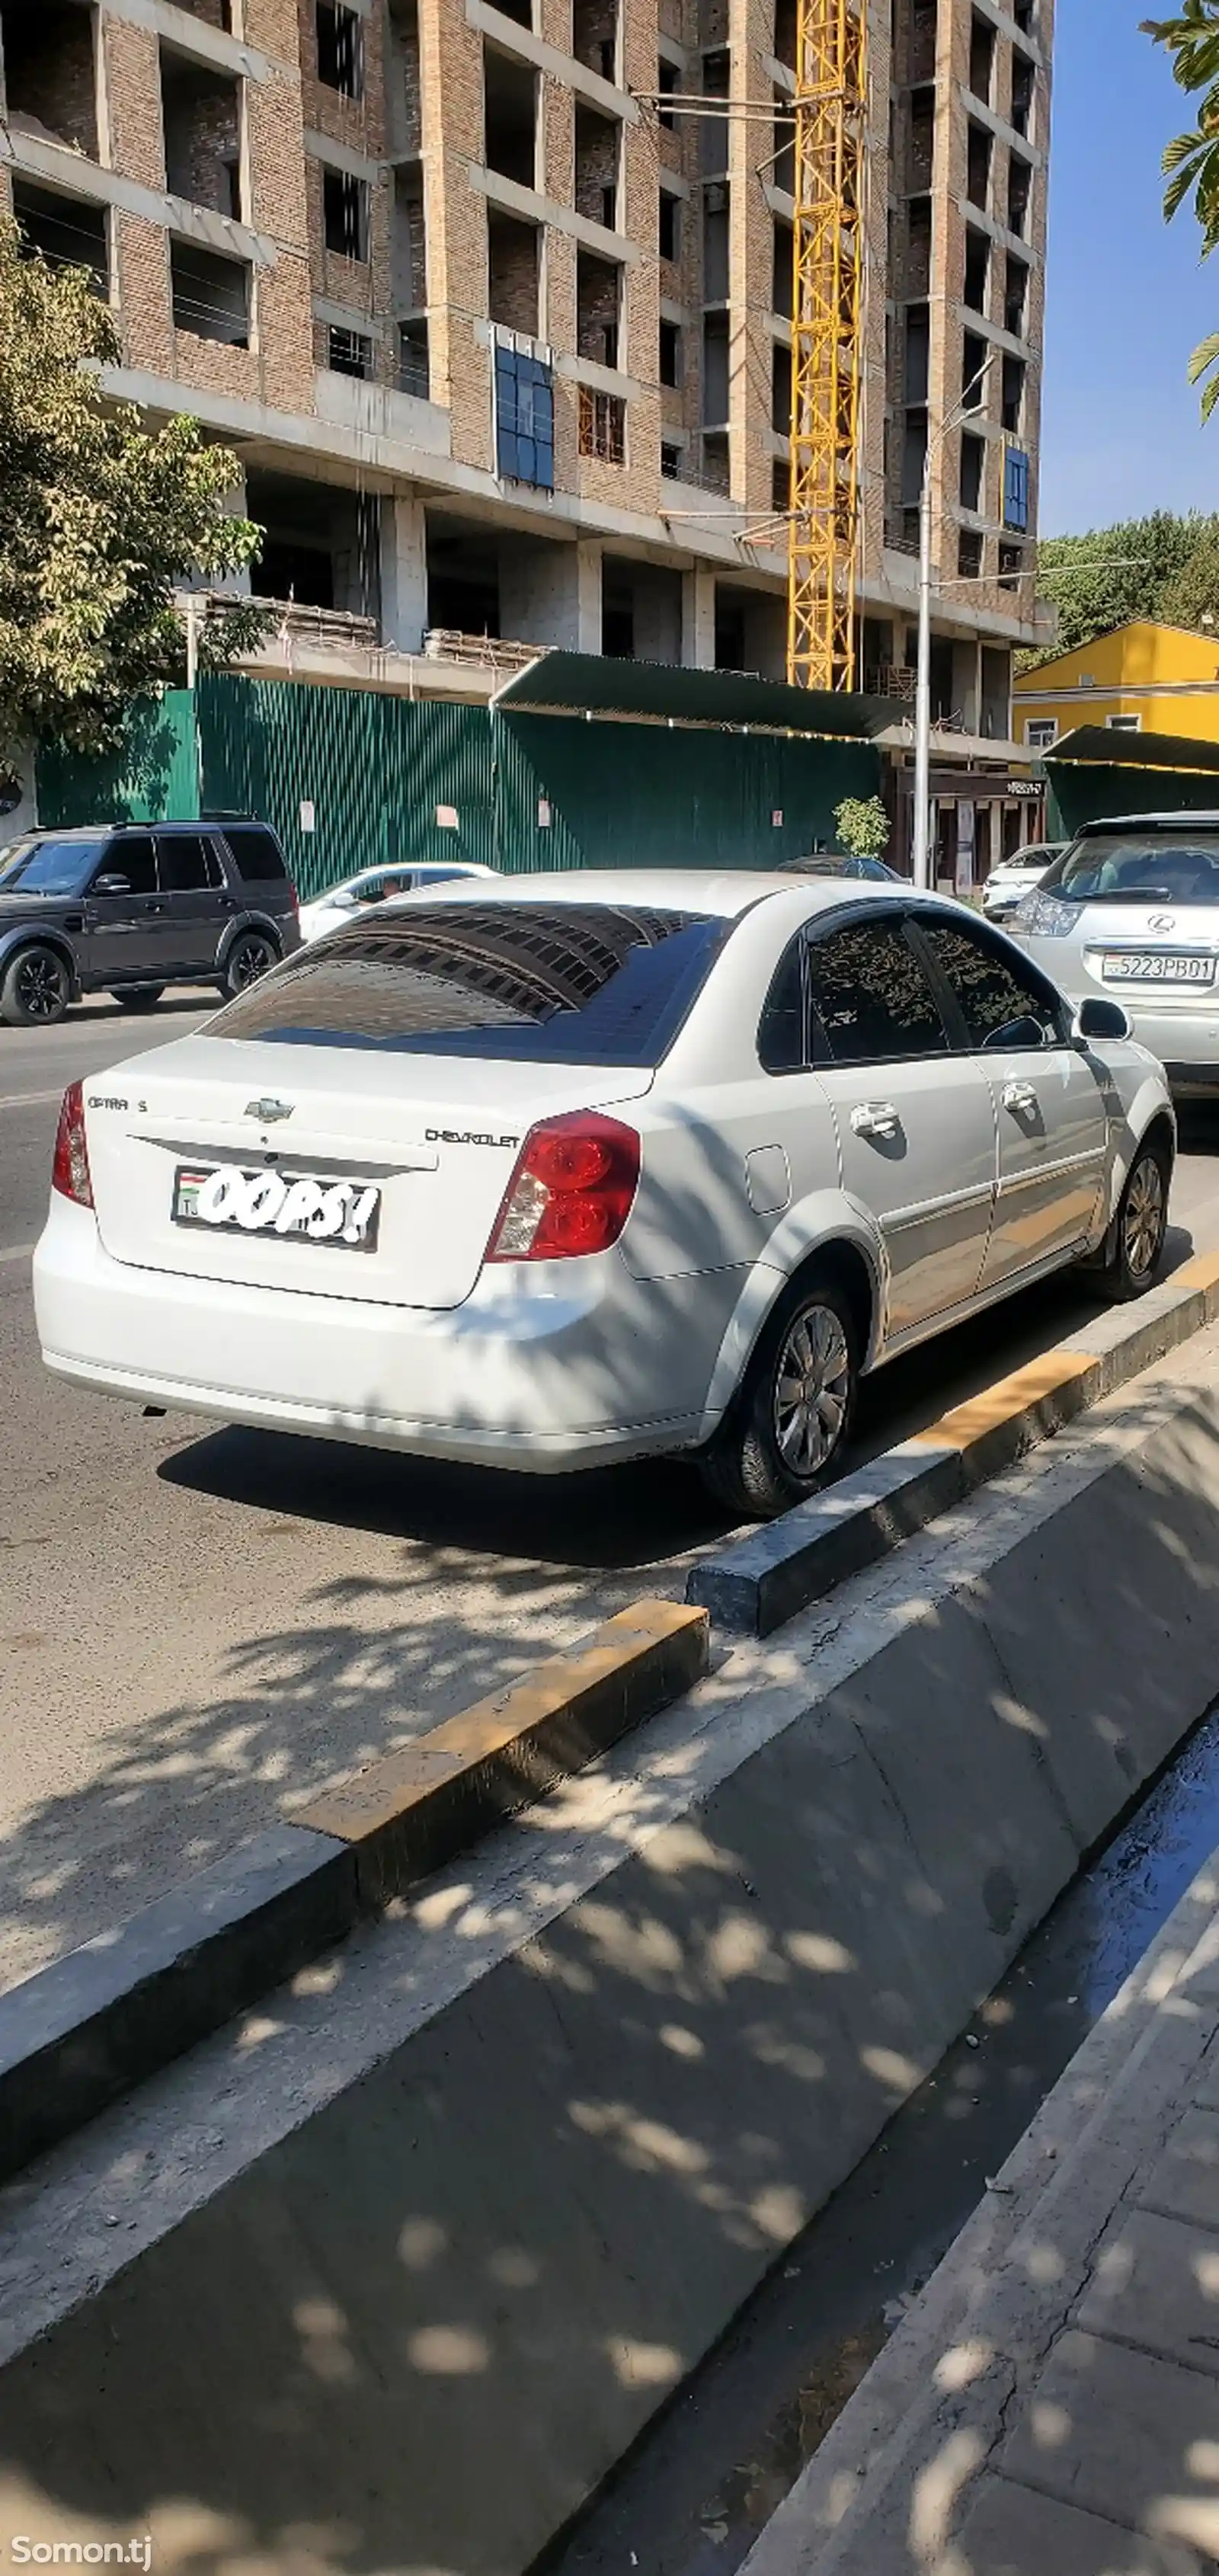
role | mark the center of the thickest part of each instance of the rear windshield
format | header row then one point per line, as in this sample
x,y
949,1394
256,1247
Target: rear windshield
x,y
549,984
1139,867
48,867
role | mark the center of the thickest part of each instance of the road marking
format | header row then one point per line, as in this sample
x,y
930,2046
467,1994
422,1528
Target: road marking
x,y
29,1099
16,1252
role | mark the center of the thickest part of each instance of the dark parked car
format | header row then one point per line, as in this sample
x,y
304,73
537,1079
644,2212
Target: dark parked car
x,y
127,910
831,863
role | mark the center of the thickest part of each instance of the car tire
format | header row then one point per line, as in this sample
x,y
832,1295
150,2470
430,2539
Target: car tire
x,y
139,997
1135,1242
251,955
788,1425
36,990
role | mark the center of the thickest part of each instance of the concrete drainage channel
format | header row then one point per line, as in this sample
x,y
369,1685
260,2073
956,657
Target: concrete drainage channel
x,y
483,2179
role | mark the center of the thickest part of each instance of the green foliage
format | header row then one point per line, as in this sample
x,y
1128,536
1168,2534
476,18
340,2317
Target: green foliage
x,y
1140,568
1191,161
862,826
99,519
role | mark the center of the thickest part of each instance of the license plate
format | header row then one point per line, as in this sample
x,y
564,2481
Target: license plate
x,y
1157,966
305,1207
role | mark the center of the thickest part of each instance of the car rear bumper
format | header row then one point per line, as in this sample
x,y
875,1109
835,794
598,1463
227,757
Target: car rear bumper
x,y
558,1365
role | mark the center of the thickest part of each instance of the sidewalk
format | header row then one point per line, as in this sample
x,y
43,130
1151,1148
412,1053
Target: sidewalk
x,y
1050,2405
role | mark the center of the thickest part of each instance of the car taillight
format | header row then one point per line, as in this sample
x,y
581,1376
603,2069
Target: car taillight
x,y
571,1192
293,897
70,1169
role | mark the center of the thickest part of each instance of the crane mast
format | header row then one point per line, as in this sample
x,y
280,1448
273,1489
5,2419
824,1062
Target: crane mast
x,y
827,281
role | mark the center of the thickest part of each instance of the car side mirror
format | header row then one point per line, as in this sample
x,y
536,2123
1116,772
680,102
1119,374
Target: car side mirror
x,y
1016,1034
111,883
1098,1019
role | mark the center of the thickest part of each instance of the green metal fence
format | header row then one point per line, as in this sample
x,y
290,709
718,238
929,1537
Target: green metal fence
x,y
349,778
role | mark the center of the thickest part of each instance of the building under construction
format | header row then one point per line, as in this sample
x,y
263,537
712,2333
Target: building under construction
x,y
495,305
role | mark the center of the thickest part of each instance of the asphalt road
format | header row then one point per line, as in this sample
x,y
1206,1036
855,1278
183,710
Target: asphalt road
x,y
199,1626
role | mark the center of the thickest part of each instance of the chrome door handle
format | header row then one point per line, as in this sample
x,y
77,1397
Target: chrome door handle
x,y
1019,1096
875,1118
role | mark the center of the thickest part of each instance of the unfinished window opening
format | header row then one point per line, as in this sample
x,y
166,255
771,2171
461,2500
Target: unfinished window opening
x,y
922,140
1015,296
345,214
617,615
1011,566
512,272
413,371
781,389
201,121
715,246
510,117
969,555
321,543
672,461
668,226
50,75
981,152
977,268
598,156
921,34
1025,14
914,458
1019,195
1014,373
973,467
602,426
918,351
713,130
211,294
781,271
729,631
1024,79
981,58
598,307
715,369
670,353
340,49
716,470
594,36
348,353
783,145
785,33
781,486
214,13
462,578
408,252
68,232
402,90
974,372
918,247
667,84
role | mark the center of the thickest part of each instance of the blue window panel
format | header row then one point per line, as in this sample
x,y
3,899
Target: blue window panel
x,y
1016,491
524,419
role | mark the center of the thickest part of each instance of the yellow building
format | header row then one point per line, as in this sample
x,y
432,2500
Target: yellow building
x,y
1140,678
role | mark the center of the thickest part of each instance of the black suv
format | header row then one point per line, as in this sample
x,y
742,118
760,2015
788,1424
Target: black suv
x,y
129,909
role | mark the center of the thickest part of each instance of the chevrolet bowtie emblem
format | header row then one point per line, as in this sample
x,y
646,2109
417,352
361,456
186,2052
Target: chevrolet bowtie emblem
x,y
268,1111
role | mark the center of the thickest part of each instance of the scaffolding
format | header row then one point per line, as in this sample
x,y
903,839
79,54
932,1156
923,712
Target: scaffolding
x,y
828,261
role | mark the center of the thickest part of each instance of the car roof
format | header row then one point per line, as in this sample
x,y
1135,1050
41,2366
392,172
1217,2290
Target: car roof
x,y
91,831
1184,819
725,893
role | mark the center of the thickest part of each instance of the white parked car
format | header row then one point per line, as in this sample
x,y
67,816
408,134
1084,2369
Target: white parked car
x,y
1132,910
330,910
1011,879
597,1166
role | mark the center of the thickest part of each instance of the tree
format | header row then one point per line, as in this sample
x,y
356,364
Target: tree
x,y
1103,579
862,826
1191,161
99,519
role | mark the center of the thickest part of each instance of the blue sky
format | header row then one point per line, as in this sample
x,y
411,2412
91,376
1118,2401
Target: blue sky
x,y
1127,296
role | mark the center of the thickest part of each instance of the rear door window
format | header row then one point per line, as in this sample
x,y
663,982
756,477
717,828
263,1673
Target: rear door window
x,y
541,983
187,863
258,856
871,998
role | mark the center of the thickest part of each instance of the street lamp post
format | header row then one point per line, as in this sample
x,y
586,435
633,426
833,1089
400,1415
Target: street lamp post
x,y
922,695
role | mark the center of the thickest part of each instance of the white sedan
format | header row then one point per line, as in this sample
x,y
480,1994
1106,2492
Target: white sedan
x,y
1011,879
595,1167
330,910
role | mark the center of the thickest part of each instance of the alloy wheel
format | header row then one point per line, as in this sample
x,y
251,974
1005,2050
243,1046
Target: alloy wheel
x,y
252,959
40,987
1143,1217
812,1386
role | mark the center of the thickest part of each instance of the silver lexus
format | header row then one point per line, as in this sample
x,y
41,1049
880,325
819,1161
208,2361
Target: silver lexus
x,y
1131,910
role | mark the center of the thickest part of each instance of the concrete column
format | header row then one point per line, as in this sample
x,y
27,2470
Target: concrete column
x,y
588,596
967,684
698,619
658,615
551,594
403,572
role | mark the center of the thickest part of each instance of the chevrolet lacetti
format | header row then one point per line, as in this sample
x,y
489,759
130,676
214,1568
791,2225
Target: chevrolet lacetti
x,y
596,1166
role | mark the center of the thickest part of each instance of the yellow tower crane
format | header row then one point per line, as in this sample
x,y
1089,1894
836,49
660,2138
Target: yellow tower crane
x,y
827,284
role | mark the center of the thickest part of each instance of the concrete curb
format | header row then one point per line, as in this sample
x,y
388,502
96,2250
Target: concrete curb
x,y
84,2030
777,1571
